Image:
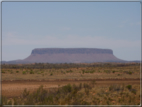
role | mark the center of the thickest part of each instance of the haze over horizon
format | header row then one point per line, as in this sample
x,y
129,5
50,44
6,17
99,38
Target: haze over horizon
x,y
105,25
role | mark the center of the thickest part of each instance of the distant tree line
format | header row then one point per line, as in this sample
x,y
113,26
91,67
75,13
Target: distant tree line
x,y
65,65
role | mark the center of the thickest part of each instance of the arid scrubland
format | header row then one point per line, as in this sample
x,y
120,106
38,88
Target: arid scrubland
x,y
76,84
70,71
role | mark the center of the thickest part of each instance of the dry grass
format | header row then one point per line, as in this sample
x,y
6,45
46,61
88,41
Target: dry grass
x,y
82,94
94,93
72,73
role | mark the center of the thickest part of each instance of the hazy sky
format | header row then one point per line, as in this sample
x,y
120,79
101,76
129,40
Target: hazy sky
x,y
106,25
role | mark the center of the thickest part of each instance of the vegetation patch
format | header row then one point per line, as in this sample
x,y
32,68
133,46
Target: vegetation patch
x,y
17,71
51,74
31,72
24,72
82,94
69,71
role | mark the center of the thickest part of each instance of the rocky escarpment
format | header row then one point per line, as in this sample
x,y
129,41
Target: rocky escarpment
x,y
71,55
71,51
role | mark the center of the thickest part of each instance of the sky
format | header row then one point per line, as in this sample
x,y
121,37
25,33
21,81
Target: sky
x,y
105,25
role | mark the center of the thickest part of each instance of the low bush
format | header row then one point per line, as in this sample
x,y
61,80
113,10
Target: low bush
x,y
116,88
129,87
130,72
83,71
3,71
69,71
31,72
17,71
24,72
82,94
66,88
118,74
25,93
113,71
133,91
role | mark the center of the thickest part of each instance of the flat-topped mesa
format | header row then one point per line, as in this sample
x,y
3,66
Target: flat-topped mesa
x,y
71,51
71,55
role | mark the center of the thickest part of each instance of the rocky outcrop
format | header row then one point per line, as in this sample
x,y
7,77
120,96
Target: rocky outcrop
x,y
71,55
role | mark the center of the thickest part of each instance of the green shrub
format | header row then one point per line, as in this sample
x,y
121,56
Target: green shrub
x,y
51,74
130,72
86,86
3,71
87,71
75,89
133,91
40,94
25,93
17,71
31,72
9,102
129,87
83,71
24,72
118,74
92,71
70,71
66,88
113,71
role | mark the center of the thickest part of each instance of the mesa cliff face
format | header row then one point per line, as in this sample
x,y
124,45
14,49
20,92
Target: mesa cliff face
x,y
71,51
71,55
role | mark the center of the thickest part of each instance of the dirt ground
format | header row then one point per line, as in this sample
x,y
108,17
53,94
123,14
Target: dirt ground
x,y
15,88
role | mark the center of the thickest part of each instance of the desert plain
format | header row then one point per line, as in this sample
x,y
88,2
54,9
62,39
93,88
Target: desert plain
x,y
71,84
